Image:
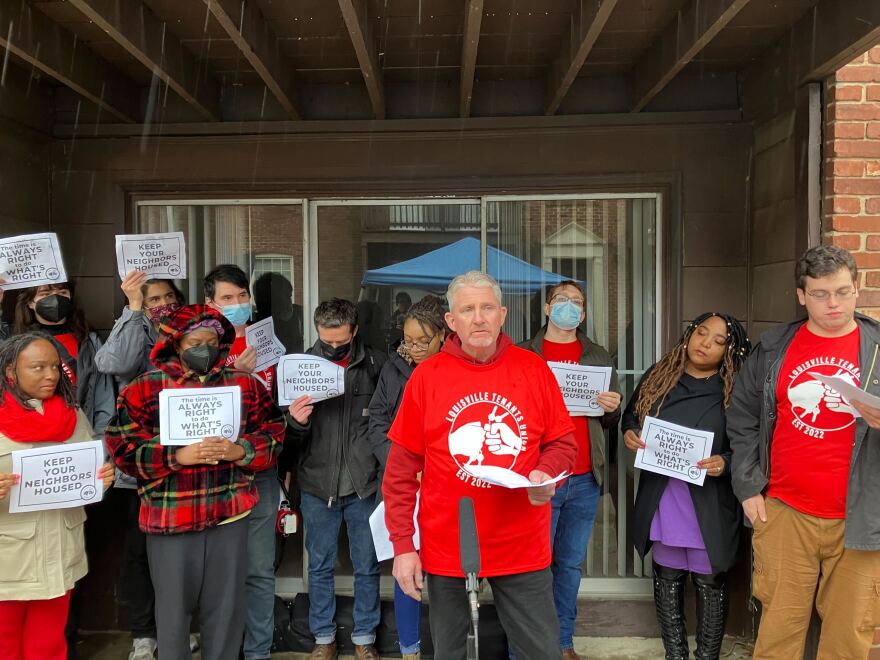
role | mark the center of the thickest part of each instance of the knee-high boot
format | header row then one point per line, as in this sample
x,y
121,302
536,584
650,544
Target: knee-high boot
x,y
669,585
711,614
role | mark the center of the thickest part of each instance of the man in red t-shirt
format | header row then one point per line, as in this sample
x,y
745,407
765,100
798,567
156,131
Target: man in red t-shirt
x,y
481,404
805,465
577,499
228,291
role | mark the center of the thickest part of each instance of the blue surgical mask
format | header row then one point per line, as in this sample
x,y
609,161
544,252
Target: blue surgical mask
x,y
237,315
565,315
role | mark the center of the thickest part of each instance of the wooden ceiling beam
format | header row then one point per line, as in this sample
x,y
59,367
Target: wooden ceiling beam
x,y
258,43
132,25
34,38
473,18
587,22
694,26
357,22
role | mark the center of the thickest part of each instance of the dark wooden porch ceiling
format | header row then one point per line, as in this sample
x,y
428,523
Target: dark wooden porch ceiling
x,y
133,61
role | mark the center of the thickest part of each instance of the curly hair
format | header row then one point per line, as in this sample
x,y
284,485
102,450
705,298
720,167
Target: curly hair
x,y
428,313
10,350
669,369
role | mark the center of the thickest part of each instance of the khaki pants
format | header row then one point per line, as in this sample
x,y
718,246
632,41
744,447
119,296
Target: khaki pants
x,y
795,552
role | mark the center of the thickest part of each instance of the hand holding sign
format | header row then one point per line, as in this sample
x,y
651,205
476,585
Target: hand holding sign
x,y
674,450
132,287
7,481
301,409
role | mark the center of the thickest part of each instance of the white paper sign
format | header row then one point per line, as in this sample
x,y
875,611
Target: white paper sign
x,y
674,450
189,415
57,477
847,391
580,385
31,260
500,476
300,374
381,536
160,256
261,335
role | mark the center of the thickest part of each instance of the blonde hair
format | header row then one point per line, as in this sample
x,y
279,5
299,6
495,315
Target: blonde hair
x,y
473,278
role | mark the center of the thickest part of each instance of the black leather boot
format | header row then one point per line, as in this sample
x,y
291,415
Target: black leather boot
x,y
669,585
711,614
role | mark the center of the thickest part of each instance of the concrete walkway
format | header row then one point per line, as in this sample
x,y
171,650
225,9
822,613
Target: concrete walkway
x,y
115,646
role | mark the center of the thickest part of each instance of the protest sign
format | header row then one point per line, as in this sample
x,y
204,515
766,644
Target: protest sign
x,y
159,256
189,415
674,450
300,374
31,260
580,385
57,477
261,335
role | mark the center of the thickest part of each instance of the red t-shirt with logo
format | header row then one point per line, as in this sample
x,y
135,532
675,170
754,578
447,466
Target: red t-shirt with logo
x,y
459,414
71,345
570,353
238,347
812,442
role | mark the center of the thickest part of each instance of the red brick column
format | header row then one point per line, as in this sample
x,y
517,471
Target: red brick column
x,y
852,170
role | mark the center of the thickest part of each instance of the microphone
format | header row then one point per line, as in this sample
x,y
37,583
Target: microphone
x,y
469,553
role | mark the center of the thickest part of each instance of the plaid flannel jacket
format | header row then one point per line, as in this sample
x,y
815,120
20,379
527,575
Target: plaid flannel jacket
x,y
176,498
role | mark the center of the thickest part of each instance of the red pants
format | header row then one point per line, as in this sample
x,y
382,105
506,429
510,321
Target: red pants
x,y
34,629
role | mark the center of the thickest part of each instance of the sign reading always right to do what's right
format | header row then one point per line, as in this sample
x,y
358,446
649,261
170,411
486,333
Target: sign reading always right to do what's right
x,y
31,260
188,415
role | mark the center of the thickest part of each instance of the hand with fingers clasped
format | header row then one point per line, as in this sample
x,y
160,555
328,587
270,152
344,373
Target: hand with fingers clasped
x,y
210,451
714,465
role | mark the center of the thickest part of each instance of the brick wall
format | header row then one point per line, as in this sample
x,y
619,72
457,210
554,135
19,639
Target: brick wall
x,y
852,170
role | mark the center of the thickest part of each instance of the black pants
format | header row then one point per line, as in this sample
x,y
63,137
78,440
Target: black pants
x,y
137,584
525,608
203,570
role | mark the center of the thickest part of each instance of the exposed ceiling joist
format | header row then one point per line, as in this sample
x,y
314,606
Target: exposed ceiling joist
x,y
694,26
473,18
587,22
133,26
357,21
248,29
32,37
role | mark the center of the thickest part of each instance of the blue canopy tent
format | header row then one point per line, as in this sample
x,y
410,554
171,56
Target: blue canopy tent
x,y
433,271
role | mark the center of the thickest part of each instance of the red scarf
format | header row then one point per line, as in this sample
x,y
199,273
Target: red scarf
x,y
21,424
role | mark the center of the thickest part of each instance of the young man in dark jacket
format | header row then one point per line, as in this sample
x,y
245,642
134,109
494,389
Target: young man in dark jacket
x,y
338,478
577,499
805,467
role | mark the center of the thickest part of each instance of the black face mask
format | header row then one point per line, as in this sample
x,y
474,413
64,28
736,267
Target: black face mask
x,y
334,354
54,308
201,358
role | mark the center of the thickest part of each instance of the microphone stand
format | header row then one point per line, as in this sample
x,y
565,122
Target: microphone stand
x,y
469,549
472,586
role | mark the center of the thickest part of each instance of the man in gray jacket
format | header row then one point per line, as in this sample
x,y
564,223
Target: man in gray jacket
x,y
806,467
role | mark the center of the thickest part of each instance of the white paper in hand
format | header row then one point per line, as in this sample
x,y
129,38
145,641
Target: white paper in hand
x,y
57,477
847,392
381,536
580,385
189,415
674,450
300,374
31,260
160,256
499,476
261,335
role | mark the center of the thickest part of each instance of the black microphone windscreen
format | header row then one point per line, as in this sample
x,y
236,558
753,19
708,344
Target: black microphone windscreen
x,y
468,544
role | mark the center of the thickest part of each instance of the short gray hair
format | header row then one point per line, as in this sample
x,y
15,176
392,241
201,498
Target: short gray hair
x,y
474,278
821,261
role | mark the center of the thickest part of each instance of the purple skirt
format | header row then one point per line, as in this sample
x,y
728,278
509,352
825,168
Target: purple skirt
x,y
675,531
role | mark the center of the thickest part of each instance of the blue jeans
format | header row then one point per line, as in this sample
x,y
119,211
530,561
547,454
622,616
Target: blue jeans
x,y
408,614
574,512
260,584
322,525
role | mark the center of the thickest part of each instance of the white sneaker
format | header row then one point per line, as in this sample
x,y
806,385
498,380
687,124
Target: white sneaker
x,y
143,648
193,643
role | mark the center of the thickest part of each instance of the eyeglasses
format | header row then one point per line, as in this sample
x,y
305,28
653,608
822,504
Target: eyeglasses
x,y
577,302
418,345
840,294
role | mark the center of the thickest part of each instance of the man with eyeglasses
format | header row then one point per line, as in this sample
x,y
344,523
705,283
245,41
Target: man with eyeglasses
x,y
806,467
577,499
